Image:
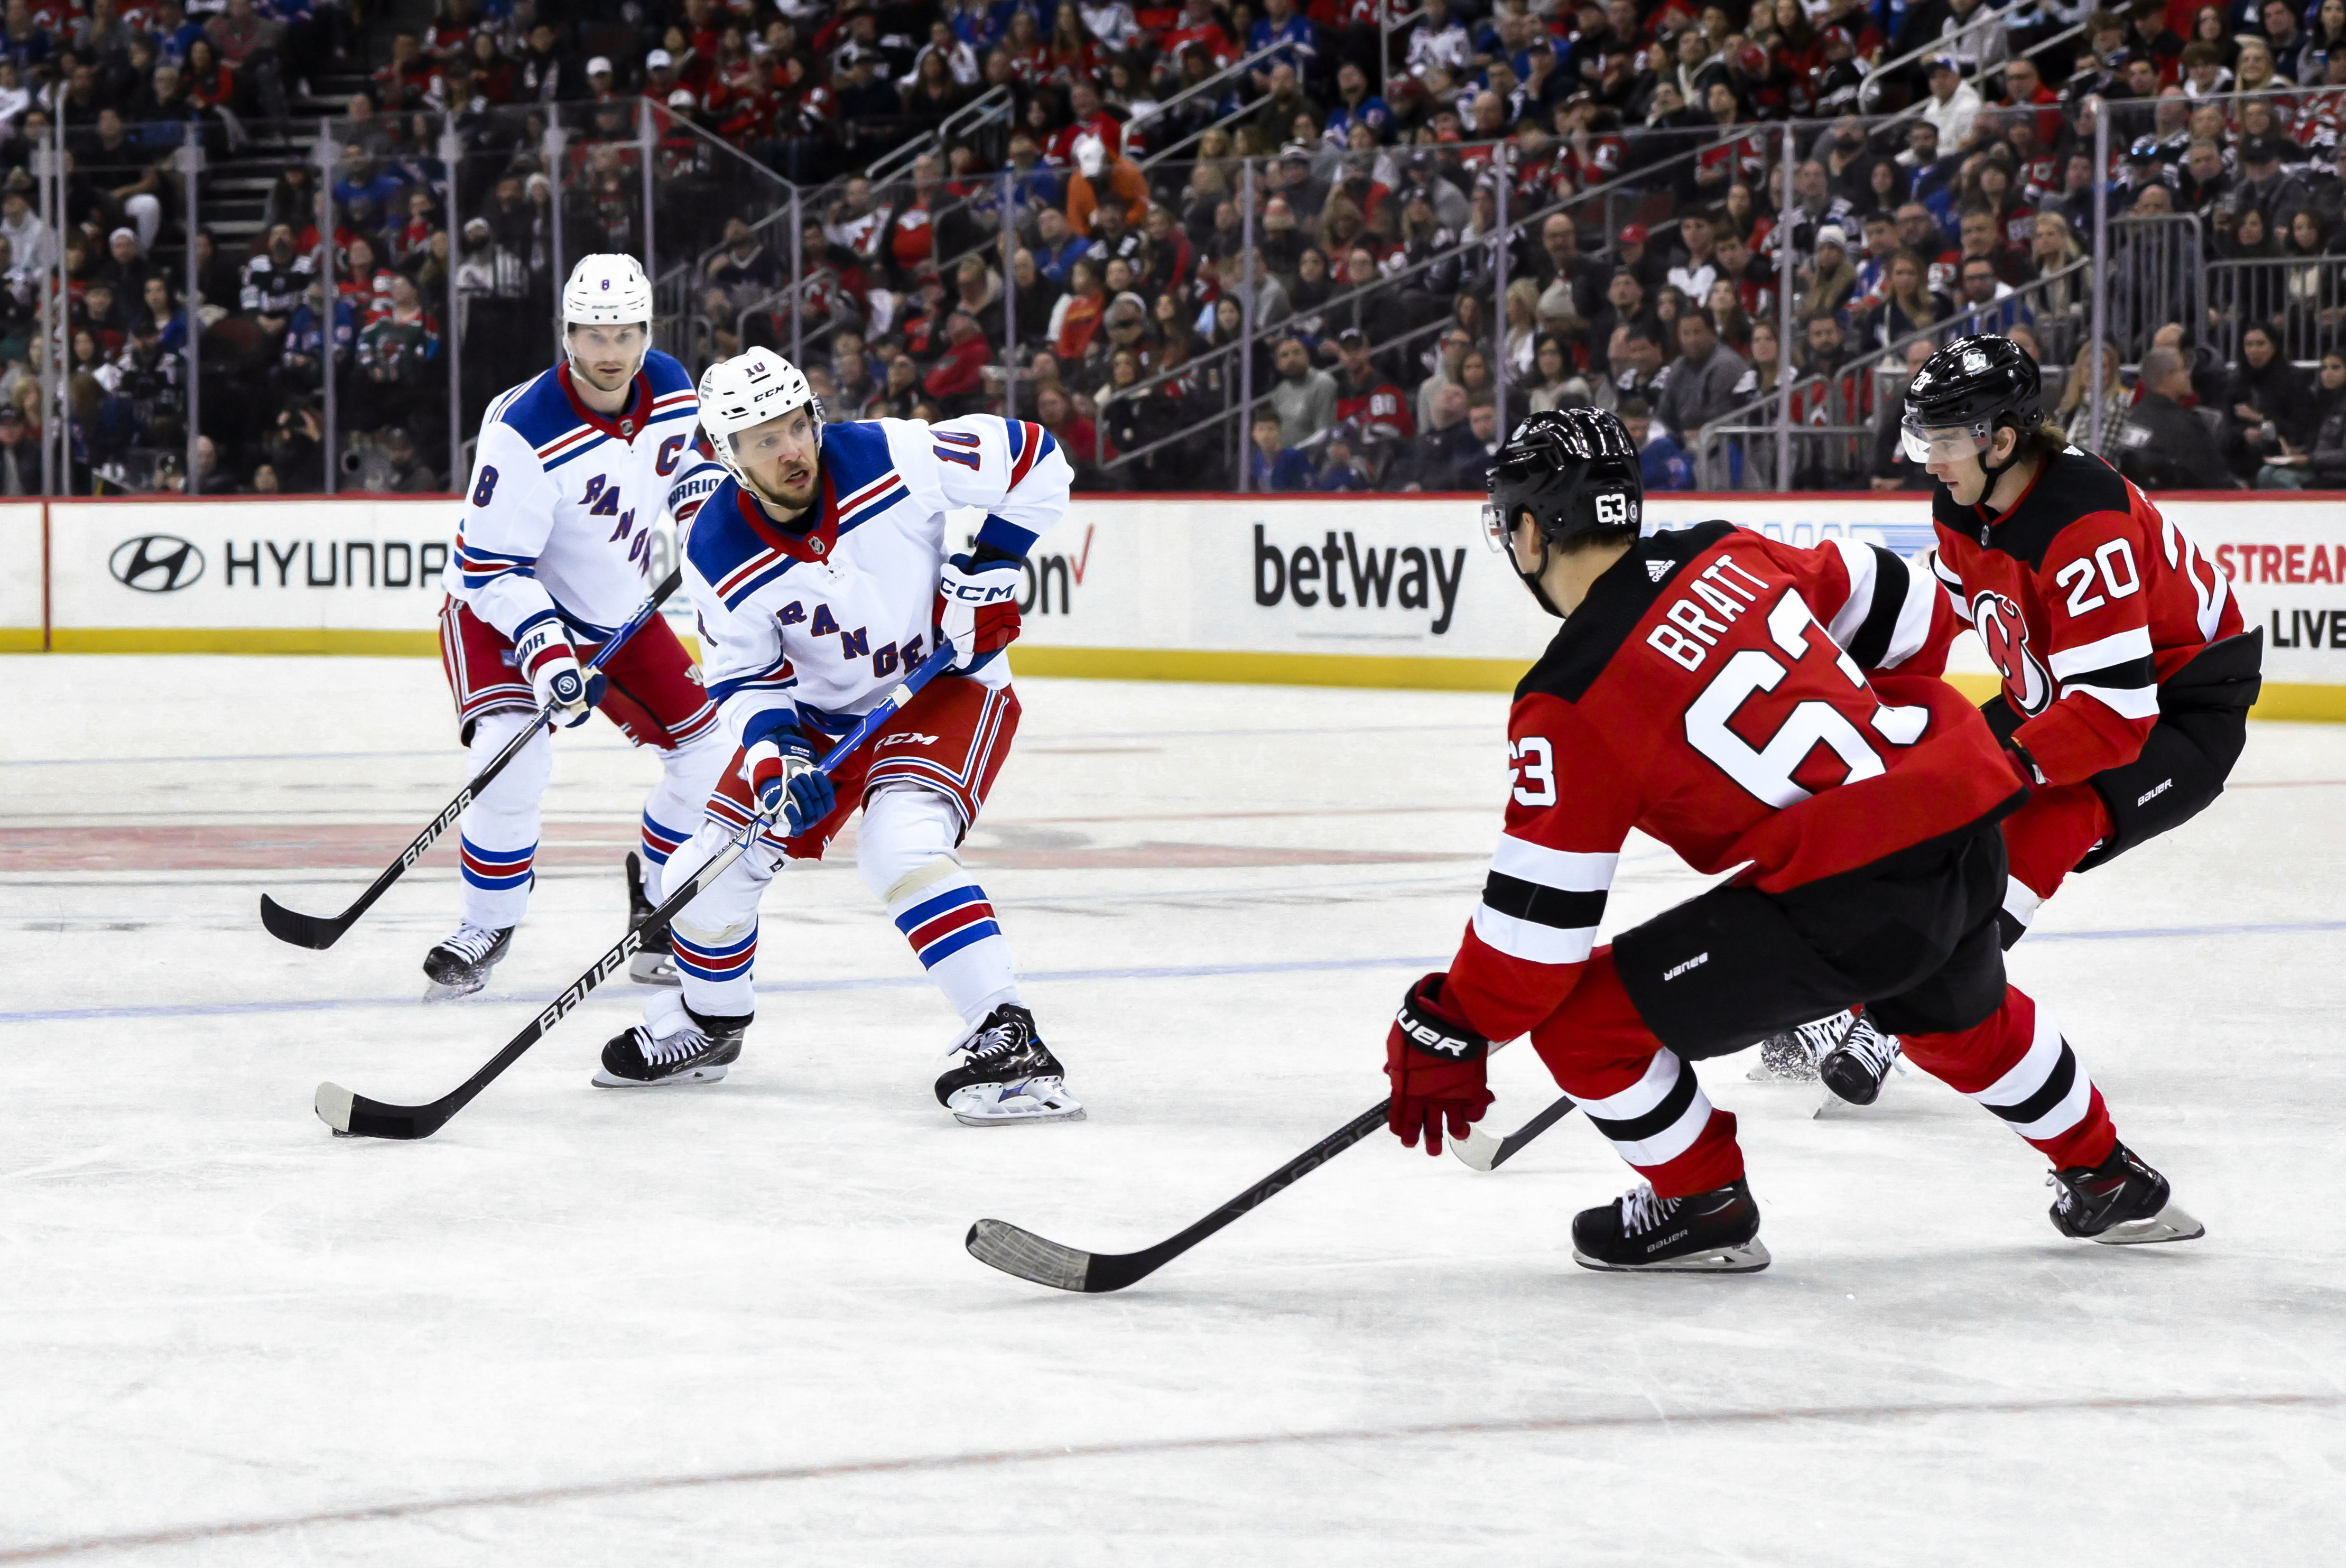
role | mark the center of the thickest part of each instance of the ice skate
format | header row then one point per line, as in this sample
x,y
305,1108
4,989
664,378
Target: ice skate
x,y
2121,1202
1713,1232
1855,1069
1791,1055
655,962
460,965
1003,1073
674,1045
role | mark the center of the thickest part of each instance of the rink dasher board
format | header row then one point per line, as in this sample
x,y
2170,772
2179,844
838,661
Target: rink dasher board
x,y
1203,588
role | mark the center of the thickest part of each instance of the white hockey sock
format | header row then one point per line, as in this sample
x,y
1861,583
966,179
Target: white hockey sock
x,y
689,776
715,935
904,850
950,926
499,829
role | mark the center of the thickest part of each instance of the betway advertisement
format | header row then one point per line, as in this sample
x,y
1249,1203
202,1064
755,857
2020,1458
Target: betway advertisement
x,y
1371,591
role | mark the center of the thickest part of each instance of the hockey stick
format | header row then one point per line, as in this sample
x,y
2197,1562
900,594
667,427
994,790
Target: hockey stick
x,y
355,1115
1021,1252
1485,1153
319,932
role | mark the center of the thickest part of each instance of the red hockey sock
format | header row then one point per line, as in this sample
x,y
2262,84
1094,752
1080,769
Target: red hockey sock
x,y
2017,1064
1635,1090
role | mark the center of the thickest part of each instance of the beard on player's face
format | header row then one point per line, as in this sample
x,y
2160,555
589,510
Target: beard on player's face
x,y
781,458
607,357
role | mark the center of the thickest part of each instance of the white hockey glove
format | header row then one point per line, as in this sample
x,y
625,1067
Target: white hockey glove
x,y
546,660
977,610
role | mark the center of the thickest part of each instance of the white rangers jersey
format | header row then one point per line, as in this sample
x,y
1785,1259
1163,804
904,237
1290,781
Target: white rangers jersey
x,y
559,517
828,618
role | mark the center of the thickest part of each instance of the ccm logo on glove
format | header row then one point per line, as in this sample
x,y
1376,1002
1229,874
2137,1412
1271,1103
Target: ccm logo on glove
x,y
977,608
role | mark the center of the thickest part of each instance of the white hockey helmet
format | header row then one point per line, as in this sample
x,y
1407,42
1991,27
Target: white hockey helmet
x,y
745,392
606,290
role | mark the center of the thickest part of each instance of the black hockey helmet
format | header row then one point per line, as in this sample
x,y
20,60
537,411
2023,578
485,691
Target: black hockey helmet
x,y
1964,393
1575,469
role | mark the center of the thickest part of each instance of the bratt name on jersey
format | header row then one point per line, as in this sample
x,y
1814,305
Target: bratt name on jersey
x,y
1690,640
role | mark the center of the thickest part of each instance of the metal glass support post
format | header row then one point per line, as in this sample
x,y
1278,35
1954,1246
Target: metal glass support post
x,y
1246,325
554,139
191,164
1784,311
44,161
648,144
1499,294
60,406
329,157
452,338
2101,274
798,281
1009,300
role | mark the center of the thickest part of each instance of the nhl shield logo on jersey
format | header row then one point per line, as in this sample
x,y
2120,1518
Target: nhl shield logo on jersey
x,y
2003,632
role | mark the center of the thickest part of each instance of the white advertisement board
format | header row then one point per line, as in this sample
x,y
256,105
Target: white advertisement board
x,y
1346,590
23,567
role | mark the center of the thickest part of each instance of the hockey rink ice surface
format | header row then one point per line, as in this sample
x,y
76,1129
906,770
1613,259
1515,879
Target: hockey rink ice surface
x,y
735,1324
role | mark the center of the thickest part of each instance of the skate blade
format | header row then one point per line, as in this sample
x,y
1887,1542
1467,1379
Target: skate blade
x,y
654,969
1749,1257
708,1073
2169,1224
1831,1108
986,1105
435,991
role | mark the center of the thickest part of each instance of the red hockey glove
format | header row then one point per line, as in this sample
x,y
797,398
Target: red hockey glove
x,y
977,609
1435,1062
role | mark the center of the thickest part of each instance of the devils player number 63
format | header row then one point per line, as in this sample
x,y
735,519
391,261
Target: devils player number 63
x,y
1535,764
1766,772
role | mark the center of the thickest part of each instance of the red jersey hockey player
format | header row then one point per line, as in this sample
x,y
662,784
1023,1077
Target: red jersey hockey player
x,y
2126,679
1755,704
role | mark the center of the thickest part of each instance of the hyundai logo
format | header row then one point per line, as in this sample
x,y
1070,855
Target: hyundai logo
x,y
155,563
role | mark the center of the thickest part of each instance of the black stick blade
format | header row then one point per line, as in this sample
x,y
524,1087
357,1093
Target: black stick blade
x,y
301,929
356,1116
1006,1247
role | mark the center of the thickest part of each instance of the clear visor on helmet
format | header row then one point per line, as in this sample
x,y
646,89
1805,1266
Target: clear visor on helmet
x,y
1945,443
1494,527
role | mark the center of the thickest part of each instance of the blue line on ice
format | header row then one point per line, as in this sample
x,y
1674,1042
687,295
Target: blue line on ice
x,y
1158,971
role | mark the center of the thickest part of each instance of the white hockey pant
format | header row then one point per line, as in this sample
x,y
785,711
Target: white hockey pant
x,y
905,853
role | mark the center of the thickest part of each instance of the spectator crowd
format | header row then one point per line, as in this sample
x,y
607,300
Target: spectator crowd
x,y
1207,244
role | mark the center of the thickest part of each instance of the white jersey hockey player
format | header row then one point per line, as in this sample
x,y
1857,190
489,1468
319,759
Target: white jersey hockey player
x,y
573,469
822,573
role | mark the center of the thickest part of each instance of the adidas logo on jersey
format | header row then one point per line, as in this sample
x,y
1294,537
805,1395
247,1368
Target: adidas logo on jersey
x,y
1658,570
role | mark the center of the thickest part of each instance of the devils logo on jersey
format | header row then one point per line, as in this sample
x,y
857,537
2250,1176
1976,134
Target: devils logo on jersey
x,y
2003,631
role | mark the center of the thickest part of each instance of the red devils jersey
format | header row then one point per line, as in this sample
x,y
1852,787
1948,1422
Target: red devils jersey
x,y
1380,410
1713,691
2086,598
